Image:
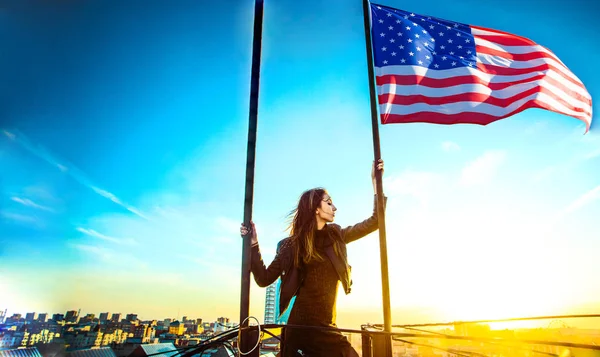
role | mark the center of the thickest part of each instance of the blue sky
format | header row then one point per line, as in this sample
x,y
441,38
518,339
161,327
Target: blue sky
x,y
123,147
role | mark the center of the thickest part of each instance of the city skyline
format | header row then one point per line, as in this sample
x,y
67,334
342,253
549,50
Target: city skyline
x,y
123,135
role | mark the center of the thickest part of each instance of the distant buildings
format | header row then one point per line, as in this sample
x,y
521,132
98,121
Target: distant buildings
x,y
104,316
176,328
116,317
30,317
42,317
75,335
131,317
72,316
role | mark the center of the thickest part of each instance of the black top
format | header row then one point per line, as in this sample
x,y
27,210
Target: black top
x,y
315,303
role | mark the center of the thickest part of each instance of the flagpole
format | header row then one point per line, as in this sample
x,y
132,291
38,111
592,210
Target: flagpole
x,y
385,281
246,345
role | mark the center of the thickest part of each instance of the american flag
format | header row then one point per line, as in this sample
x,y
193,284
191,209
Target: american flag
x,y
444,72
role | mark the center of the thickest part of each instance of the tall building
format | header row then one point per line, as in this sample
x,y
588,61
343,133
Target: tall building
x,y
58,317
176,328
103,317
2,316
131,317
116,317
270,304
89,318
42,317
30,317
71,316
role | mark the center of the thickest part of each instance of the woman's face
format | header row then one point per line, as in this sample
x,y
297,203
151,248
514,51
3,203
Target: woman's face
x,y
327,209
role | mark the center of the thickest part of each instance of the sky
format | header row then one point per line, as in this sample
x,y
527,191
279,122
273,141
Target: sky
x,y
123,134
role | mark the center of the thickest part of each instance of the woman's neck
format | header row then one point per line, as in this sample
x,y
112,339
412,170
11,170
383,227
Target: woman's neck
x,y
320,225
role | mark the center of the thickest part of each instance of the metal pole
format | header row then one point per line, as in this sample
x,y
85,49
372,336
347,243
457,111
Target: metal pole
x,y
385,283
246,338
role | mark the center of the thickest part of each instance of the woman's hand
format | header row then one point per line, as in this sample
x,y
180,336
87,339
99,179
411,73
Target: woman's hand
x,y
379,167
244,231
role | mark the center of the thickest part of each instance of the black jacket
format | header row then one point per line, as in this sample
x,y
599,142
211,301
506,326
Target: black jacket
x,y
291,277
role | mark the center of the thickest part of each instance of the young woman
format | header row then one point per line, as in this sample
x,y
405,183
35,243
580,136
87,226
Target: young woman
x,y
311,263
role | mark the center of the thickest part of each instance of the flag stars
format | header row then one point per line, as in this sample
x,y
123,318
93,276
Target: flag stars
x,y
401,47
450,40
436,65
461,57
451,53
434,53
410,53
412,15
399,34
418,48
398,21
391,28
444,58
405,17
417,35
389,14
433,40
426,44
415,24
410,40
455,25
380,21
384,49
420,62
457,34
392,40
431,27
382,34
441,34
467,41
448,28
408,28
403,60
459,47
385,62
425,32
469,52
427,57
393,53
442,47
453,63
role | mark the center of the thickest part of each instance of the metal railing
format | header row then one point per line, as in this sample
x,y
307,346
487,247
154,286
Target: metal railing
x,y
459,338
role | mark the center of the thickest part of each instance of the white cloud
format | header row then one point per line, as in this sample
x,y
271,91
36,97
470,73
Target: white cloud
x,y
593,154
583,200
29,203
95,234
8,134
418,184
450,146
229,226
109,256
483,169
587,148
116,200
71,170
19,217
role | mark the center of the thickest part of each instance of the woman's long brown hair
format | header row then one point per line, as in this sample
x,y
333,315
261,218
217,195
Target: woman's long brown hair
x,y
304,224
